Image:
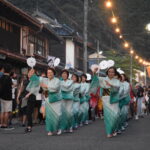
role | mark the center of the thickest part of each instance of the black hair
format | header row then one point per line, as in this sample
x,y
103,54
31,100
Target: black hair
x,y
52,69
118,75
66,71
114,68
7,68
125,77
84,75
79,78
12,73
76,77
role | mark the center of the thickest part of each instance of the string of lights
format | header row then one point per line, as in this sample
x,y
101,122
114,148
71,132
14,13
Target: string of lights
x,y
114,21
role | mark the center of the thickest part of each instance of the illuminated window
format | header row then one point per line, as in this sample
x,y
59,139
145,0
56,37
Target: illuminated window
x,y
0,23
3,24
6,26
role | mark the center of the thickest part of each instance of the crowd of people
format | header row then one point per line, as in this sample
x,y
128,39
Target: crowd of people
x,y
65,103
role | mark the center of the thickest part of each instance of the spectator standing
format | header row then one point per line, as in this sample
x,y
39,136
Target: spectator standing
x,y
6,96
14,91
140,98
21,101
1,74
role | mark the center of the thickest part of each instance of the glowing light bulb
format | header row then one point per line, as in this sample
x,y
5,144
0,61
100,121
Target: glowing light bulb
x,y
131,52
120,36
114,20
117,30
126,45
108,4
141,60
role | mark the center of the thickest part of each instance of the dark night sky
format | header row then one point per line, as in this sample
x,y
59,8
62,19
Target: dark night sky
x,y
134,15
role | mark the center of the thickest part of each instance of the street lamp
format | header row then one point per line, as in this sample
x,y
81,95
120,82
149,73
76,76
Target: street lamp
x,y
117,30
136,57
148,27
120,36
108,4
114,20
131,65
126,45
141,60
131,52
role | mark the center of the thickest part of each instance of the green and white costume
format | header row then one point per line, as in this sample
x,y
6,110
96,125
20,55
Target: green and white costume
x,y
34,85
123,102
67,104
76,103
53,105
110,100
84,102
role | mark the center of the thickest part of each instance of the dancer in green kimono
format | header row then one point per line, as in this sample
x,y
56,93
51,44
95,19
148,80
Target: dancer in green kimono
x,y
110,100
53,103
76,103
67,103
84,100
124,101
32,89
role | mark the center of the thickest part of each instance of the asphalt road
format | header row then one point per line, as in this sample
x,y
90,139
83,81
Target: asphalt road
x,y
91,137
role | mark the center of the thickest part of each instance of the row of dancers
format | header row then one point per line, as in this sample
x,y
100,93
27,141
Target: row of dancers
x,y
67,100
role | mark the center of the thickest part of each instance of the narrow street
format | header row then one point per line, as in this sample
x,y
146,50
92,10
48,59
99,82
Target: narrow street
x,y
91,137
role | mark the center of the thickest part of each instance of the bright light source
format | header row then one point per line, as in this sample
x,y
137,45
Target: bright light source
x,y
144,63
126,45
142,74
141,60
108,4
148,27
114,20
131,52
117,30
136,57
120,36
101,52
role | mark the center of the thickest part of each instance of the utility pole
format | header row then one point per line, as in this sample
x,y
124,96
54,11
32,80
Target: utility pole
x,y
98,52
145,75
131,68
85,34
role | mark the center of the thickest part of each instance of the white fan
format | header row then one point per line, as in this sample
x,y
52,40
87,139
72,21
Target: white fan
x,y
120,71
50,61
103,65
88,76
110,63
56,62
94,66
31,62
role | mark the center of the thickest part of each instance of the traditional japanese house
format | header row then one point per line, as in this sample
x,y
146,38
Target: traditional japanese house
x,y
72,49
22,36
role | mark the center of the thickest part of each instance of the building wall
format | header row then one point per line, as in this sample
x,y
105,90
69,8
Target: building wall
x,y
57,49
70,53
9,36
